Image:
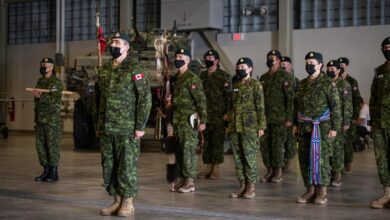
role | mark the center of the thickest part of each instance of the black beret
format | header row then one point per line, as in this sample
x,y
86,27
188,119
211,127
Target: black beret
x,y
121,35
275,53
334,63
183,51
212,53
245,60
343,60
386,41
47,60
286,59
314,55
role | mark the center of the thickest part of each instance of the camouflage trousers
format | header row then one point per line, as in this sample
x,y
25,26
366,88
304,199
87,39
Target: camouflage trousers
x,y
48,138
245,150
337,158
214,137
272,146
304,141
348,144
289,146
381,139
186,156
119,161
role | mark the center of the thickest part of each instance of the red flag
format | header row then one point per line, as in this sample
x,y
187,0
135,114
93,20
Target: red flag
x,y
102,40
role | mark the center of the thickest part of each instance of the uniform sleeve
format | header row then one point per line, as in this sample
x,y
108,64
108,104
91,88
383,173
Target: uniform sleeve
x,y
288,87
100,105
374,102
260,110
347,107
197,93
226,91
334,104
144,100
355,99
54,96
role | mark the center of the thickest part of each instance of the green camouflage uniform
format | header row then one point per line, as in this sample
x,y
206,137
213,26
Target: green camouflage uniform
x,y
380,121
291,140
246,118
279,105
351,133
48,124
313,98
189,98
216,88
345,93
125,103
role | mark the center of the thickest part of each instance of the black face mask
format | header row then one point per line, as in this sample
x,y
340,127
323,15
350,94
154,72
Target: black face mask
x,y
241,74
283,68
331,74
310,69
42,70
342,70
115,52
178,63
386,53
270,63
209,63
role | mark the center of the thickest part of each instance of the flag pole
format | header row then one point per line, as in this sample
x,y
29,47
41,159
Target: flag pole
x,y
97,37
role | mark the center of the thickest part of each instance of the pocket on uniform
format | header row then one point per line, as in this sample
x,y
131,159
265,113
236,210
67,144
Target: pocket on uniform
x,y
249,119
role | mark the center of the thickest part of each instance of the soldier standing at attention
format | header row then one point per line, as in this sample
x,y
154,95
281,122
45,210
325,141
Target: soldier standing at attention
x,y
216,84
48,124
246,126
380,122
348,147
188,100
290,145
345,94
279,106
125,103
319,120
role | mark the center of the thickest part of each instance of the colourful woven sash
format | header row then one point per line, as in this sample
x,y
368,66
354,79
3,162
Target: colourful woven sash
x,y
315,145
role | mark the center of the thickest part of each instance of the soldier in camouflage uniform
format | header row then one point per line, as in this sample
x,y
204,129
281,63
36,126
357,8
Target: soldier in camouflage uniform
x,y
48,124
290,145
246,126
279,106
348,147
125,103
345,93
380,122
216,84
189,102
319,120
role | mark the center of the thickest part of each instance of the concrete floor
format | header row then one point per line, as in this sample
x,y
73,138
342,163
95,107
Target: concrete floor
x,y
79,194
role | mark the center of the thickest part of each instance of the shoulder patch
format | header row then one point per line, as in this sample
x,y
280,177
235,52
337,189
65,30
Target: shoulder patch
x,y
286,83
193,86
355,88
138,76
345,92
226,84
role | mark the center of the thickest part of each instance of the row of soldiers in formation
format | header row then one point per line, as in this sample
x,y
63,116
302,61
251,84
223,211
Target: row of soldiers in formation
x,y
320,107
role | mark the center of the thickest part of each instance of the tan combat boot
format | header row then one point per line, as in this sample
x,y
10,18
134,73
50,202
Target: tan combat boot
x,y
188,186
250,191
127,208
321,197
336,179
206,172
215,173
287,166
347,168
113,209
239,192
308,196
277,178
267,177
381,202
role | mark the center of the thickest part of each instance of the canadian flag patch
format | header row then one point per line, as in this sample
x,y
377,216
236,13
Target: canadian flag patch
x,y
138,76
193,86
